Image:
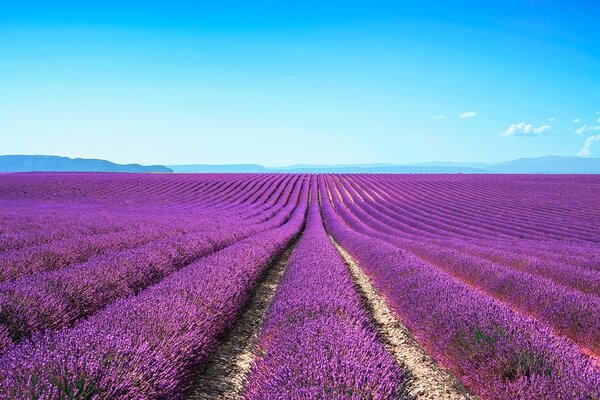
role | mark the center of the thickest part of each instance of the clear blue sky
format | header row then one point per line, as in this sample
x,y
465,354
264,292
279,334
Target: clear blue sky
x,y
277,83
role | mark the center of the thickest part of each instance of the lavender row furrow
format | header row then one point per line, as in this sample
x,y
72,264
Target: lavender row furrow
x,y
569,312
438,203
318,341
62,253
146,346
57,299
570,272
495,351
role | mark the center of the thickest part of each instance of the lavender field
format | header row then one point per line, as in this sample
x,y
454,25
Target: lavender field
x,y
290,286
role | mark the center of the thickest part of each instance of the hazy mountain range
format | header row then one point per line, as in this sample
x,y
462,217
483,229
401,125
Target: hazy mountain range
x,y
23,163
539,165
220,168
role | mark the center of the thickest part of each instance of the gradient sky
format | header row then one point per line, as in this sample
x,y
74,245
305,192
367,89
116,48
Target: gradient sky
x,y
281,83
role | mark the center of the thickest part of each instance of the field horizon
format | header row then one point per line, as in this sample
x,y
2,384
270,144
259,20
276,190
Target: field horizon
x,y
537,165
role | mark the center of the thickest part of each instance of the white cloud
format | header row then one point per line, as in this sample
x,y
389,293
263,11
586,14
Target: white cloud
x,y
542,129
586,150
439,117
598,120
587,129
467,114
551,119
523,129
577,120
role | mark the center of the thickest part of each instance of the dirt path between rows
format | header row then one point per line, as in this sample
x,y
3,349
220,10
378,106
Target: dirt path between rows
x,y
224,375
425,378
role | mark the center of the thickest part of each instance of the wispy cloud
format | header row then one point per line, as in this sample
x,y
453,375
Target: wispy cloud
x,y
586,150
523,129
587,129
551,119
577,120
439,117
467,114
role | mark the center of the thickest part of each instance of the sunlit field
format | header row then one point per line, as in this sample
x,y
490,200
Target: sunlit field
x,y
294,286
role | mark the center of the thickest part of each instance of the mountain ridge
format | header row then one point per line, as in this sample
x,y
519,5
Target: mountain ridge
x,y
530,165
43,163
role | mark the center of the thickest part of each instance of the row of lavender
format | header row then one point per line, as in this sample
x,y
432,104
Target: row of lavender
x,y
421,215
449,298
446,205
318,340
79,234
569,311
34,222
474,279
57,296
146,346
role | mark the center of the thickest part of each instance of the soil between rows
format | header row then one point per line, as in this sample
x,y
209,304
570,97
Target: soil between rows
x,y
425,378
224,375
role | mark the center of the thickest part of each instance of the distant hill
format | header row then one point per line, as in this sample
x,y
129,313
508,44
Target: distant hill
x,y
24,163
219,168
539,165
548,165
379,169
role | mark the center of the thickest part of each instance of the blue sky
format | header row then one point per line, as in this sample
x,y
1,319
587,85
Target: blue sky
x,y
281,83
